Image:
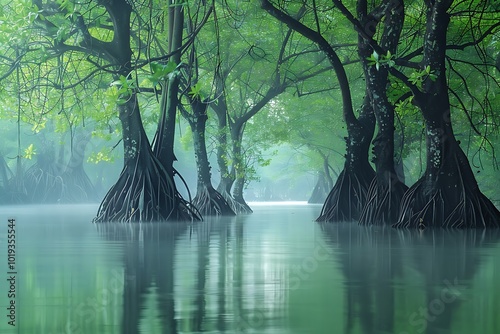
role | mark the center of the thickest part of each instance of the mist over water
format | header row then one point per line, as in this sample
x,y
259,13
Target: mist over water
x,y
274,271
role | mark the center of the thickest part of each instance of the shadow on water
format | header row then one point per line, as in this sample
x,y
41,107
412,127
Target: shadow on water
x,y
406,281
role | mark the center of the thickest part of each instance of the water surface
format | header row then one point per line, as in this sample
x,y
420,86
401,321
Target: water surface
x,y
274,271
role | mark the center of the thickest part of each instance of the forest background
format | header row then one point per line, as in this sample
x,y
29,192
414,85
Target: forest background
x,y
129,95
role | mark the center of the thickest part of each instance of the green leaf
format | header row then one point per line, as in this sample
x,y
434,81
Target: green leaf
x,y
196,90
161,71
29,152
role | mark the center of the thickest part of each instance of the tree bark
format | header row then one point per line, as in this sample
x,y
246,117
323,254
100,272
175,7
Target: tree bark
x,y
236,130
447,195
386,190
145,190
207,200
348,196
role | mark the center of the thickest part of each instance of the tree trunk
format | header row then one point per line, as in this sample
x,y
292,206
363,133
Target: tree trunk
x,y
220,109
163,146
386,190
239,168
207,200
145,191
447,195
348,196
227,175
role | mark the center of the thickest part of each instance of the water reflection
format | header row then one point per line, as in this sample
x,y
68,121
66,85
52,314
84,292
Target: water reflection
x,y
402,281
148,258
273,272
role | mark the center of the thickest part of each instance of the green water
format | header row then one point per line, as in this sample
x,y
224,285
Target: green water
x,y
275,271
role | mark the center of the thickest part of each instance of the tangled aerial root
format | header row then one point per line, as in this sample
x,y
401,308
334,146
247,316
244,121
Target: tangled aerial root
x,y
457,208
348,197
210,202
452,201
43,185
237,207
77,186
145,194
383,201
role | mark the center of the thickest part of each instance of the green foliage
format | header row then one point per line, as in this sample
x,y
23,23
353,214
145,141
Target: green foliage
x,y
417,78
125,88
101,156
244,45
160,72
195,91
29,152
377,61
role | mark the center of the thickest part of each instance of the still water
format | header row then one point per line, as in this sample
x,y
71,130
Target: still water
x,y
274,271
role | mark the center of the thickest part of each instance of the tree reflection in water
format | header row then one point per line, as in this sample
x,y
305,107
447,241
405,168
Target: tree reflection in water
x,y
405,281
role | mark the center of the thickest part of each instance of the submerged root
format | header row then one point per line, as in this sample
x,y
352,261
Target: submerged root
x,y
347,198
383,201
145,194
210,202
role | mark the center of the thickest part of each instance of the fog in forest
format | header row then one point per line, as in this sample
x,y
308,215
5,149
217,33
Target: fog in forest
x,y
249,166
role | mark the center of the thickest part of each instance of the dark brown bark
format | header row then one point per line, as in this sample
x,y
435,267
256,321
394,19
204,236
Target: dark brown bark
x,y
348,196
145,191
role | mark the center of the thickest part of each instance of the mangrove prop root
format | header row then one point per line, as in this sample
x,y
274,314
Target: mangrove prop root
x,y
448,202
347,197
383,201
210,202
236,206
145,194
